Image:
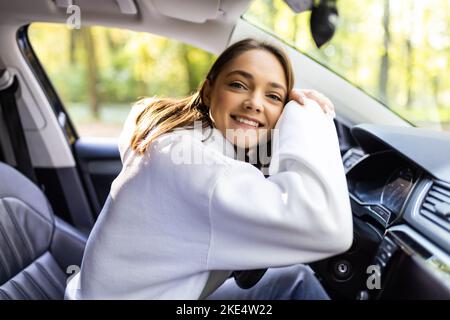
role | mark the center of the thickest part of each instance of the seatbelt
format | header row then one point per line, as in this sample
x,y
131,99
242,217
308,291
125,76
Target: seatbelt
x,y
14,125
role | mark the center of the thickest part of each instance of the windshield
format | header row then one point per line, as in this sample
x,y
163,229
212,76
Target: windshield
x,y
396,51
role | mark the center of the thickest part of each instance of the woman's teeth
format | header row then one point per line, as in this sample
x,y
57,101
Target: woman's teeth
x,y
249,122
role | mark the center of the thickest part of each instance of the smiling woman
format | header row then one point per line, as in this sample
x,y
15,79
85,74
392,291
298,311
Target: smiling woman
x,y
245,89
249,94
174,224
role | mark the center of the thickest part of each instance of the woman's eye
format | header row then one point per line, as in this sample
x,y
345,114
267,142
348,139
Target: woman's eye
x,y
274,97
237,85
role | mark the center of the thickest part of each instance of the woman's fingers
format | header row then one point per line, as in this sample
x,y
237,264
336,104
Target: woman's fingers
x,y
323,101
325,104
298,96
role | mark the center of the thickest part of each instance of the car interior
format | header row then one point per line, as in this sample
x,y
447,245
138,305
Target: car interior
x,y
53,183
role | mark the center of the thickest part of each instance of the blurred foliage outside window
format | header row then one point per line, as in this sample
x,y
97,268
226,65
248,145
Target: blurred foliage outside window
x,y
100,72
397,51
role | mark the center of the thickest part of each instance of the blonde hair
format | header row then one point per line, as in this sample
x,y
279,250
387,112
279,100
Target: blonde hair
x,y
166,114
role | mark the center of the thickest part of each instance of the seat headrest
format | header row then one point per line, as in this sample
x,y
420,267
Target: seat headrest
x,y
15,184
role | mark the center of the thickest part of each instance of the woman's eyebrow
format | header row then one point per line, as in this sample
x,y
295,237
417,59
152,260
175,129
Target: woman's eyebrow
x,y
250,77
242,73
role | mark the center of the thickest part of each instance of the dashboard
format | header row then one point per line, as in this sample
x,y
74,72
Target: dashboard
x,y
398,180
380,184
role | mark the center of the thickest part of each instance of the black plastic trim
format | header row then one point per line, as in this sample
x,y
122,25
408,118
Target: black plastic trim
x,y
66,199
47,87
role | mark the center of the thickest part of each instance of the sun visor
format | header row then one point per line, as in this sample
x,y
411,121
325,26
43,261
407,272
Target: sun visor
x,y
197,11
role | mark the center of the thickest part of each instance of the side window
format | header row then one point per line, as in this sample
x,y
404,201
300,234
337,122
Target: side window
x,y
100,72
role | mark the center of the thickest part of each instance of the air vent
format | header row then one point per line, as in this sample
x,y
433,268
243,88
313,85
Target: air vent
x,y
436,205
351,157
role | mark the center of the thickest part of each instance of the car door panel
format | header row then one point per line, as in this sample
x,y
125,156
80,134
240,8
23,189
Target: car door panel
x,y
99,163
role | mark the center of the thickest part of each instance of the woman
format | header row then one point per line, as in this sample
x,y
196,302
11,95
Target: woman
x,y
184,211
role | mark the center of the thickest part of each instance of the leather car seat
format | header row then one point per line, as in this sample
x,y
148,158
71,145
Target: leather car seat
x,y
36,247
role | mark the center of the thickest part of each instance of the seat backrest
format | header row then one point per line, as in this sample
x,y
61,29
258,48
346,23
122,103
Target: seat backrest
x,y
36,248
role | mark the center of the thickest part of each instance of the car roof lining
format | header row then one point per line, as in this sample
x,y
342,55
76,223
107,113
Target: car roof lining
x,y
154,16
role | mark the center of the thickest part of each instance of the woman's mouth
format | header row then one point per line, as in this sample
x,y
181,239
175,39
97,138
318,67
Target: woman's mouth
x,y
246,123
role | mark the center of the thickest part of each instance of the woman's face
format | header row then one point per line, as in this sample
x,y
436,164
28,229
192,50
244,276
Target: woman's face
x,y
247,97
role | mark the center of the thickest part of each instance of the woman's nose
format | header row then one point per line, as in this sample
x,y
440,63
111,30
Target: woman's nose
x,y
254,103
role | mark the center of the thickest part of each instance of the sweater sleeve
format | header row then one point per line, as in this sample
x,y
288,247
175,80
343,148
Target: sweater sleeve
x,y
300,213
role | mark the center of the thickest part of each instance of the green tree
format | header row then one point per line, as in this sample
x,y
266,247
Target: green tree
x,y
384,65
92,71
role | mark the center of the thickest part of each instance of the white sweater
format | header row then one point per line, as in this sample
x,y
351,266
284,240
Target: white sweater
x,y
166,226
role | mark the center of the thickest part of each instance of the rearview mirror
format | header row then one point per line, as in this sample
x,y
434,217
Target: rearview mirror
x,y
324,17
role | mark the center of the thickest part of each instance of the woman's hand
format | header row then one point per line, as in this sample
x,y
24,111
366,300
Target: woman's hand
x,y
300,94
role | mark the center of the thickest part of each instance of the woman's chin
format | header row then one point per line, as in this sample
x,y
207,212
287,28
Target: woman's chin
x,y
245,142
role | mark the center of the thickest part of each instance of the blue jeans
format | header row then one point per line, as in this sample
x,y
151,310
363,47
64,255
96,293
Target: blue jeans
x,y
295,282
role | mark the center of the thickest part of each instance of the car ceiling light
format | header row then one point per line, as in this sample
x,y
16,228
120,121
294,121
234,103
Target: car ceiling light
x,y
63,4
127,6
